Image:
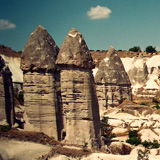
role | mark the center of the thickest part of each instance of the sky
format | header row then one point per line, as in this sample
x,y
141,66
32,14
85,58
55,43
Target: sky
x,y
103,23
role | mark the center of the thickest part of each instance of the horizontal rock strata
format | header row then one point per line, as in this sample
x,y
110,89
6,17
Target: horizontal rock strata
x,y
79,102
40,103
38,64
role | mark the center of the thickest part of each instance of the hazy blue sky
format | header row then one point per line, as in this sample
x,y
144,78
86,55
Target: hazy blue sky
x,y
120,23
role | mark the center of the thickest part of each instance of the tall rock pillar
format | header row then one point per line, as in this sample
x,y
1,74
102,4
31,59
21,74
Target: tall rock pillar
x,y
38,65
7,113
79,102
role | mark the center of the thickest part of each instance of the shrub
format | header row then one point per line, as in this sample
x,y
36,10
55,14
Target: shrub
x,y
106,128
156,106
143,103
20,97
150,49
147,144
135,49
134,141
133,138
5,128
155,144
133,133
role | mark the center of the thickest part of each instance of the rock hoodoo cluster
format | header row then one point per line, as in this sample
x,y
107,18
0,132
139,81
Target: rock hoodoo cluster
x,y
6,95
112,82
60,100
61,96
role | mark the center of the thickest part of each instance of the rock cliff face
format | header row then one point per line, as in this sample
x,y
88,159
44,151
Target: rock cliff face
x,y
38,65
79,102
2,94
6,94
112,82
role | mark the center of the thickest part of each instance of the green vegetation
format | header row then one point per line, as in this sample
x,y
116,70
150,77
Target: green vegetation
x,y
135,49
148,144
143,103
19,96
150,49
134,139
5,128
106,129
156,106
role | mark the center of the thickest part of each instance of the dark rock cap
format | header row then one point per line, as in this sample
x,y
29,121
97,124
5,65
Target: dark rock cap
x,y
74,51
111,70
40,52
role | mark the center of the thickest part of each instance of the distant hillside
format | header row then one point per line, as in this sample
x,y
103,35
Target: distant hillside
x,y
8,52
100,55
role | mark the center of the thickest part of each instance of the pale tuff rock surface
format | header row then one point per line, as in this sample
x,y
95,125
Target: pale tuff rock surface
x,y
11,149
139,73
74,51
14,66
39,56
79,102
40,103
130,116
143,73
112,82
40,52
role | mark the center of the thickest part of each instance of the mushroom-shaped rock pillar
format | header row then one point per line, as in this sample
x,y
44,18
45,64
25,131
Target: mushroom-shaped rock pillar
x,y
79,102
112,81
38,65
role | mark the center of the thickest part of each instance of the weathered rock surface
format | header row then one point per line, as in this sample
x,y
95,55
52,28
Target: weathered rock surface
x,y
112,82
79,102
6,94
139,72
38,65
130,116
119,148
73,54
40,52
2,94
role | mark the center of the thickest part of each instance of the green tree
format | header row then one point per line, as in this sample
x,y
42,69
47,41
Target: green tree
x,y
150,49
135,49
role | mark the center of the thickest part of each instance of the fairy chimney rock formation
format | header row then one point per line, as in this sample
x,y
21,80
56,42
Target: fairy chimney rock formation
x,y
113,84
38,65
79,102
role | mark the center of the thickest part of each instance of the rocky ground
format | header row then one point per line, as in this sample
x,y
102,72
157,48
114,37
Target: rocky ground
x,y
123,119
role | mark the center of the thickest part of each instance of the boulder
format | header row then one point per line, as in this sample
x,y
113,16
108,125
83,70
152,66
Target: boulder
x,y
119,148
